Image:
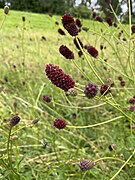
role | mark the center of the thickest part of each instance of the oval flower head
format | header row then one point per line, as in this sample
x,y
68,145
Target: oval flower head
x,y
59,78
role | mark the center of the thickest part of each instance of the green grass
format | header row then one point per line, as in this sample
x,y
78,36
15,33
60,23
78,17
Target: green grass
x,y
21,43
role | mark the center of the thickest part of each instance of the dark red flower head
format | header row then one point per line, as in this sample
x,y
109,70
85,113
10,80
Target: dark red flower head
x,y
92,51
76,44
122,83
78,23
132,100
86,165
59,123
94,14
47,99
115,24
99,19
58,77
109,21
15,120
66,52
91,90
104,89
61,31
69,24
133,29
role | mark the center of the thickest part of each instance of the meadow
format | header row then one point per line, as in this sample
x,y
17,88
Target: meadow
x,y
99,129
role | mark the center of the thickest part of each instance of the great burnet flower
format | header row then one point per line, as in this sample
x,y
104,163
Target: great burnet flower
x,y
66,52
133,29
109,21
59,78
69,24
99,19
78,23
76,43
60,31
59,123
104,89
86,165
46,98
91,90
14,120
92,51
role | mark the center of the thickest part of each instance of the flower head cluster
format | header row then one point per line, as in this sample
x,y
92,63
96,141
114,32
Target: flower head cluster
x,y
66,52
109,21
78,23
46,98
59,123
91,90
104,89
15,120
86,165
60,31
69,24
59,78
99,19
92,51
133,29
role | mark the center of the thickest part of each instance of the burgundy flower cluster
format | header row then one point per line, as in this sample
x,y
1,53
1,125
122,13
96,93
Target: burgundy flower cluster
x,y
91,90
122,82
92,51
104,89
69,24
66,52
132,104
60,31
86,165
59,123
58,77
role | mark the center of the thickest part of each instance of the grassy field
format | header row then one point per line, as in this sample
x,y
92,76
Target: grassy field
x,y
35,149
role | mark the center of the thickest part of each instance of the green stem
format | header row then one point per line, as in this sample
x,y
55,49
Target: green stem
x,y
94,125
126,162
91,67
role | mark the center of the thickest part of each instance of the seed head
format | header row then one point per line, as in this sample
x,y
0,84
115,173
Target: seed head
x,y
91,90
104,89
69,24
66,52
92,51
14,120
59,123
47,99
78,23
133,29
76,44
6,9
86,165
59,78
99,19
60,31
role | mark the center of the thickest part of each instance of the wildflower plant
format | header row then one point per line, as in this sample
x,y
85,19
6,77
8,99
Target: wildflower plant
x,y
77,107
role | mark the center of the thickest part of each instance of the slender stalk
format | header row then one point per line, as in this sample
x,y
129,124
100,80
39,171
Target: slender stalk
x,y
98,124
126,162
